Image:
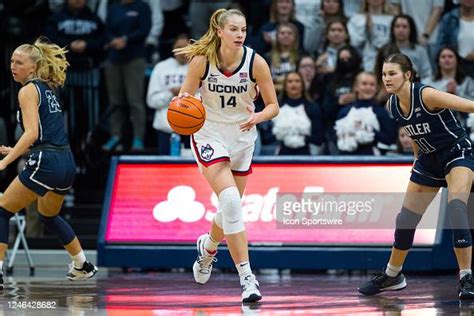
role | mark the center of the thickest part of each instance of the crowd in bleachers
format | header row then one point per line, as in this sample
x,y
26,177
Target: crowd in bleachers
x,y
325,57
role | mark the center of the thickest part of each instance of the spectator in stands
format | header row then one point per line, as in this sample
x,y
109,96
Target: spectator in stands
x,y
315,31
128,25
426,15
280,11
82,32
165,83
337,36
312,80
78,29
450,77
363,124
284,53
151,42
404,143
338,91
370,30
455,30
403,33
299,127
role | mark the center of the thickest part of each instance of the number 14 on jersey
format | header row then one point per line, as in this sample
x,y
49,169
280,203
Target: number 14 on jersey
x,y
231,101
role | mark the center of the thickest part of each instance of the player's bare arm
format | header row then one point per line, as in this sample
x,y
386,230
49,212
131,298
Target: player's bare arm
x,y
197,67
436,100
264,81
28,99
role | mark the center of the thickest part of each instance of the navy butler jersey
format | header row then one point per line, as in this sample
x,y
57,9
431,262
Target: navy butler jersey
x,y
51,121
431,131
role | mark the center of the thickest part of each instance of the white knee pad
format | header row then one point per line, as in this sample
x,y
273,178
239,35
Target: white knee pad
x,y
218,219
231,208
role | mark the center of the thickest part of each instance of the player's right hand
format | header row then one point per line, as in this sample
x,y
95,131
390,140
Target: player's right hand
x,y
180,96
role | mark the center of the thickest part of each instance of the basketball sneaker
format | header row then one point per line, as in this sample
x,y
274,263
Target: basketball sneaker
x,y
87,271
202,267
382,282
466,287
250,289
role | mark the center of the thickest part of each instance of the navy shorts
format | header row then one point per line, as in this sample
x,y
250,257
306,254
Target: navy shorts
x,y
431,169
49,170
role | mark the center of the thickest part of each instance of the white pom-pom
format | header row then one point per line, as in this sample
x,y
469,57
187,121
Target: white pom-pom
x,y
292,126
357,127
345,134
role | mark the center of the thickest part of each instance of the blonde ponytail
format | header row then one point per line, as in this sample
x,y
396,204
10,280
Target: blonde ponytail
x,y
210,42
50,60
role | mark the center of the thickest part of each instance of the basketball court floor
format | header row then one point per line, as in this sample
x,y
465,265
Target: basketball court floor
x,y
113,292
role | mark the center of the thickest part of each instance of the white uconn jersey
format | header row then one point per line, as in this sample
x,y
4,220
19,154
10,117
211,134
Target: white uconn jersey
x,y
226,95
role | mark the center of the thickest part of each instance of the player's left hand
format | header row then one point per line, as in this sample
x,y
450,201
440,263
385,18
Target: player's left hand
x,y
253,120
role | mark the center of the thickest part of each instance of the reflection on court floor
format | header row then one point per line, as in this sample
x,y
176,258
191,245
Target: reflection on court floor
x,y
165,293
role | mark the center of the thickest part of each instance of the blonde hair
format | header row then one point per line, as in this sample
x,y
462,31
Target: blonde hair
x,y
50,60
210,42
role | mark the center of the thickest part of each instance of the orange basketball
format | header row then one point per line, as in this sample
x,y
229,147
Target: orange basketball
x,y
186,116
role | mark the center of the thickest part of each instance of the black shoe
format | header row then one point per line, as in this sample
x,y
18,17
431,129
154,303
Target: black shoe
x,y
382,282
466,287
87,271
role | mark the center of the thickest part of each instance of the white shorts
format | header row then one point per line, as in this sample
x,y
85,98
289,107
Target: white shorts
x,y
216,142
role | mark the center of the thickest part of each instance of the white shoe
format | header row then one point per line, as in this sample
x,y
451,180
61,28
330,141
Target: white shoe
x,y
202,267
250,289
87,271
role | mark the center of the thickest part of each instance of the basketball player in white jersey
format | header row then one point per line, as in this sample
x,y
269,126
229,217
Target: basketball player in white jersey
x,y
227,73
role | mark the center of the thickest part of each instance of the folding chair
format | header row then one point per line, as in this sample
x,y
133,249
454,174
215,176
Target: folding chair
x,y
20,237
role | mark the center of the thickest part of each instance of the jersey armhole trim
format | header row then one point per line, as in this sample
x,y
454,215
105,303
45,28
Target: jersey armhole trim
x,y
38,90
388,106
423,104
252,58
206,72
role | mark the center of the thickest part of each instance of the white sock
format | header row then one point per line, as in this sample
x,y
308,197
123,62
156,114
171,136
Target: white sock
x,y
464,272
1,267
79,259
244,269
392,271
210,245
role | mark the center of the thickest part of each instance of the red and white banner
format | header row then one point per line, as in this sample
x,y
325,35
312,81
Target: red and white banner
x,y
172,203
